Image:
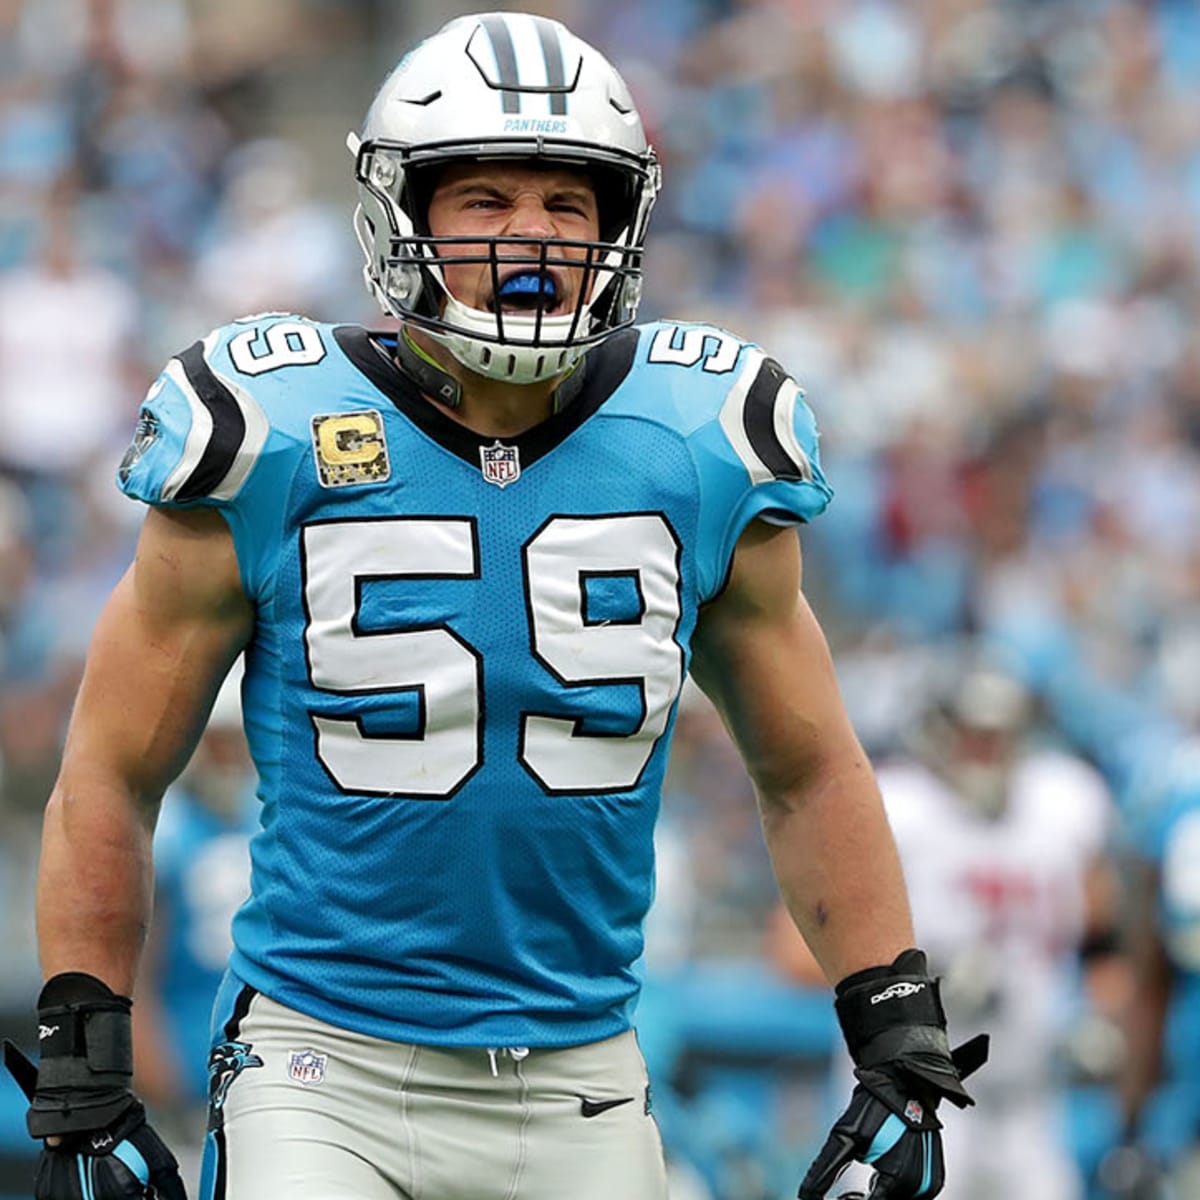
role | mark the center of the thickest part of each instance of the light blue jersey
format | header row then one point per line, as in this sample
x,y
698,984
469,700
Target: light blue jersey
x,y
201,876
463,676
1168,831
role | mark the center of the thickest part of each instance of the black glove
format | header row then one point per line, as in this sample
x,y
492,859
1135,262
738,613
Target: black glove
x,y
80,1096
895,1029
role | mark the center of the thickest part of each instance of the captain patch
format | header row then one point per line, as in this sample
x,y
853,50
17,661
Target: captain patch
x,y
350,448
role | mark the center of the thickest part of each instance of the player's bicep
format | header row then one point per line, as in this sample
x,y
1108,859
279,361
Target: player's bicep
x,y
162,645
760,654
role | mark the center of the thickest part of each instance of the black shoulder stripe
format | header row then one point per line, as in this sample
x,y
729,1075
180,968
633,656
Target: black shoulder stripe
x,y
228,426
758,420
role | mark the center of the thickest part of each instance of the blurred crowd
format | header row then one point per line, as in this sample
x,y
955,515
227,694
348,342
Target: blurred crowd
x,y
971,228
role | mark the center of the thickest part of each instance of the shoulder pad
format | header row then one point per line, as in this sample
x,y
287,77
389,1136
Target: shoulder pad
x,y
759,406
763,416
198,433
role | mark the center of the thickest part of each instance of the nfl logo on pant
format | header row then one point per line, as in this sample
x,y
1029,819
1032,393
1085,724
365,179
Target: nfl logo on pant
x,y
307,1067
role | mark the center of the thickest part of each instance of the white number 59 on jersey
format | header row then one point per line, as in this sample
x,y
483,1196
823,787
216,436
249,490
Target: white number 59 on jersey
x,y
447,672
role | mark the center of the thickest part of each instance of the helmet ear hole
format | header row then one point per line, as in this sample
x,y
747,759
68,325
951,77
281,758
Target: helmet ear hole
x,y
417,191
614,201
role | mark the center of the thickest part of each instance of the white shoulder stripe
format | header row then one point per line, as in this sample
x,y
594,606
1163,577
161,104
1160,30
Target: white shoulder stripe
x,y
198,435
732,418
785,428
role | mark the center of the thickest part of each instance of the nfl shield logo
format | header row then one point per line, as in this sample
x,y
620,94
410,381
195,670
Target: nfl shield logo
x,y
501,464
307,1067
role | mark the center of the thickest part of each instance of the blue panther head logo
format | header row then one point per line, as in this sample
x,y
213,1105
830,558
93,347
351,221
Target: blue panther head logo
x,y
226,1062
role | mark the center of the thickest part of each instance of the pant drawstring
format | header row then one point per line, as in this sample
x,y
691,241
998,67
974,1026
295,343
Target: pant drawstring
x,y
516,1053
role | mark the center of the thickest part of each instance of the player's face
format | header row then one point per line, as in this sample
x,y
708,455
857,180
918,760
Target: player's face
x,y
511,200
979,764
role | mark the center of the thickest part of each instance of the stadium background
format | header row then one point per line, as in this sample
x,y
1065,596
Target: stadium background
x,y
970,227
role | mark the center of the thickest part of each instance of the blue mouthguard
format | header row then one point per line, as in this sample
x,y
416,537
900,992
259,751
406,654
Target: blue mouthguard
x,y
528,283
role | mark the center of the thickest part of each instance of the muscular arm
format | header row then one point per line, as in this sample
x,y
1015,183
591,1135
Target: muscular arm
x,y
762,658
161,647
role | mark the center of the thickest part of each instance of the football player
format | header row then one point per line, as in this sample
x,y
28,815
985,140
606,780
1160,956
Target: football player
x,y
469,565
1159,1096
1016,885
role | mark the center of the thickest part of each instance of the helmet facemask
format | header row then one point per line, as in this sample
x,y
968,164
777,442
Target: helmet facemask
x,y
408,275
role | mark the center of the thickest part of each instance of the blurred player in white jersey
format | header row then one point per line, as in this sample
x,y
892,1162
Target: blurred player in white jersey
x,y
1004,848
1003,843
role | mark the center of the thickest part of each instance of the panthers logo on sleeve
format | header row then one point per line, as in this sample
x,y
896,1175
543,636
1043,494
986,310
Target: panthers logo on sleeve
x,y
145,434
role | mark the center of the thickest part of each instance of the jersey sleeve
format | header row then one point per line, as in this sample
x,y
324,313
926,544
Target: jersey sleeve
x,y
202,439
198,434
759,458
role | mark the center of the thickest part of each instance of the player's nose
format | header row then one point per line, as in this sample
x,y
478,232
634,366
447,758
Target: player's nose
x,y
530,217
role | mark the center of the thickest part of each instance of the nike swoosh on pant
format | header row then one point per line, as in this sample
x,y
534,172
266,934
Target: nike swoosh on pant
x,y
593,1108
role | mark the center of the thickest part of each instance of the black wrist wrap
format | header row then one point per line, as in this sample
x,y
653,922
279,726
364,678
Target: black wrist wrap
x,y
86,1048
893,1016
880,1013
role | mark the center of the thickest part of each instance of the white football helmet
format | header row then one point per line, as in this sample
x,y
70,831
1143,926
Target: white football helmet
x,y
973,732
498,86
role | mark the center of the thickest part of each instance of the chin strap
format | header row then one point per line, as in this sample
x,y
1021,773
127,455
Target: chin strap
x,y
438,383
426,373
